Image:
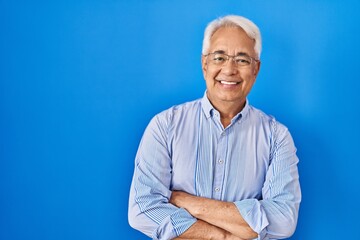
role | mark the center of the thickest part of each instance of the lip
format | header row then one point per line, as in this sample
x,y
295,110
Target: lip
x,y
228,84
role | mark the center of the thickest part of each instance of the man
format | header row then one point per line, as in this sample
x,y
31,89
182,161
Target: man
x,y
217,168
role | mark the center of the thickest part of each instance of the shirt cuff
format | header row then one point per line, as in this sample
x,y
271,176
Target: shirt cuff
x,y
174,225
254,214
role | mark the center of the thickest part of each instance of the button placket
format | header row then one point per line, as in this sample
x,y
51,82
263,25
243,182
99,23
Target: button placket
x,y
219,165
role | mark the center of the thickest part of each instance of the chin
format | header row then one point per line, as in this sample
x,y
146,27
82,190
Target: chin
x,y
231,98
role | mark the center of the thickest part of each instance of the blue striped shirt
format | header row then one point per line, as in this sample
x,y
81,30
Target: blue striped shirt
x,y
252,163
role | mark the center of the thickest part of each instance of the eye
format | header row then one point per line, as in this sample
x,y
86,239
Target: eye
x,y
243,60
219,58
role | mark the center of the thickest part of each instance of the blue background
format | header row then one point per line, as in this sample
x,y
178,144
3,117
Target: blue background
x,y
80,80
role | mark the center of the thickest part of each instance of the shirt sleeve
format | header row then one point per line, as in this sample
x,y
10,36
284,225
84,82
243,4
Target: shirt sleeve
x,y
275,216
149,209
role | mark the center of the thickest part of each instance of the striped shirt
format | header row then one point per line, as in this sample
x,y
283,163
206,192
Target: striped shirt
x,y
252,163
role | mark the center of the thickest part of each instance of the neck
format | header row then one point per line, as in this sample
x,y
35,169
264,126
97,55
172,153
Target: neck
x,y
228,110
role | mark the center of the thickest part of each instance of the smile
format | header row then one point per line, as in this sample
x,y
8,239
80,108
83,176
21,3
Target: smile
x,y
229,83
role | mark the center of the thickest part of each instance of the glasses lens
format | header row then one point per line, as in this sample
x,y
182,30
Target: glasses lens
x,y
218,58
242,60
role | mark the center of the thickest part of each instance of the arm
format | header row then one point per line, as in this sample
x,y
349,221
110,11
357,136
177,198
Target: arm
x,y
202,230
149,209
223,215
275,216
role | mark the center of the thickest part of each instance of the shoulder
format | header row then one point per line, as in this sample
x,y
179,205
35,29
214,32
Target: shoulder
x,y
176,114
266,120
278,134
178,111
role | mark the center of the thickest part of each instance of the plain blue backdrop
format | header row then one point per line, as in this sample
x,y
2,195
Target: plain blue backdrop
x,y
80,80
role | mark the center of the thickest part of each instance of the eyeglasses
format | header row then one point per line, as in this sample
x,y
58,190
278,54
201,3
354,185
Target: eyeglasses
x,y
220,59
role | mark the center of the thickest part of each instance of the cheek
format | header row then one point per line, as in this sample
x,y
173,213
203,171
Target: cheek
x,y
248,77
249,81
209,74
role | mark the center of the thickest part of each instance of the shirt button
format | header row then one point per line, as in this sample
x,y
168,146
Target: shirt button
x,y
217,189
223,134
221,161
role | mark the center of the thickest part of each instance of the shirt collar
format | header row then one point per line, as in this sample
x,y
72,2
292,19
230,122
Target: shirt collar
x,y
208,108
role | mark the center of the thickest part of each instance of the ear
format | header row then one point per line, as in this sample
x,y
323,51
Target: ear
x,y
257,68
203,64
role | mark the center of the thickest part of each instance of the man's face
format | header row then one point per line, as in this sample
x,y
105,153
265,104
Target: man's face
x,y
230,83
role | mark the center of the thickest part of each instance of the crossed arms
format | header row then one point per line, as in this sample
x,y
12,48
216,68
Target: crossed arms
x,y
216,219
163,214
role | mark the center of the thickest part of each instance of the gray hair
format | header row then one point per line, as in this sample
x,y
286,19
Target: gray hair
x,y
232,21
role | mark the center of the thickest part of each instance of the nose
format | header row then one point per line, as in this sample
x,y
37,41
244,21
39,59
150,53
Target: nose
x,y
229,67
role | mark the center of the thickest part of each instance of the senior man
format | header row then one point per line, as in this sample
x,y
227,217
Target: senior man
x,y
216,167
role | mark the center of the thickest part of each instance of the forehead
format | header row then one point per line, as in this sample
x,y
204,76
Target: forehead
x,y
232,40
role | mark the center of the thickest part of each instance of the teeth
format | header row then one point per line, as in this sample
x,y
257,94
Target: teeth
x,y
228,83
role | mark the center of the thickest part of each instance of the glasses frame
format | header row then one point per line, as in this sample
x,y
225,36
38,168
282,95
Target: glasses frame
x,y
232,57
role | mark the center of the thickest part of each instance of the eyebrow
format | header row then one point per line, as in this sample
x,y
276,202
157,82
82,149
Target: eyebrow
x,y
219,51
238,54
